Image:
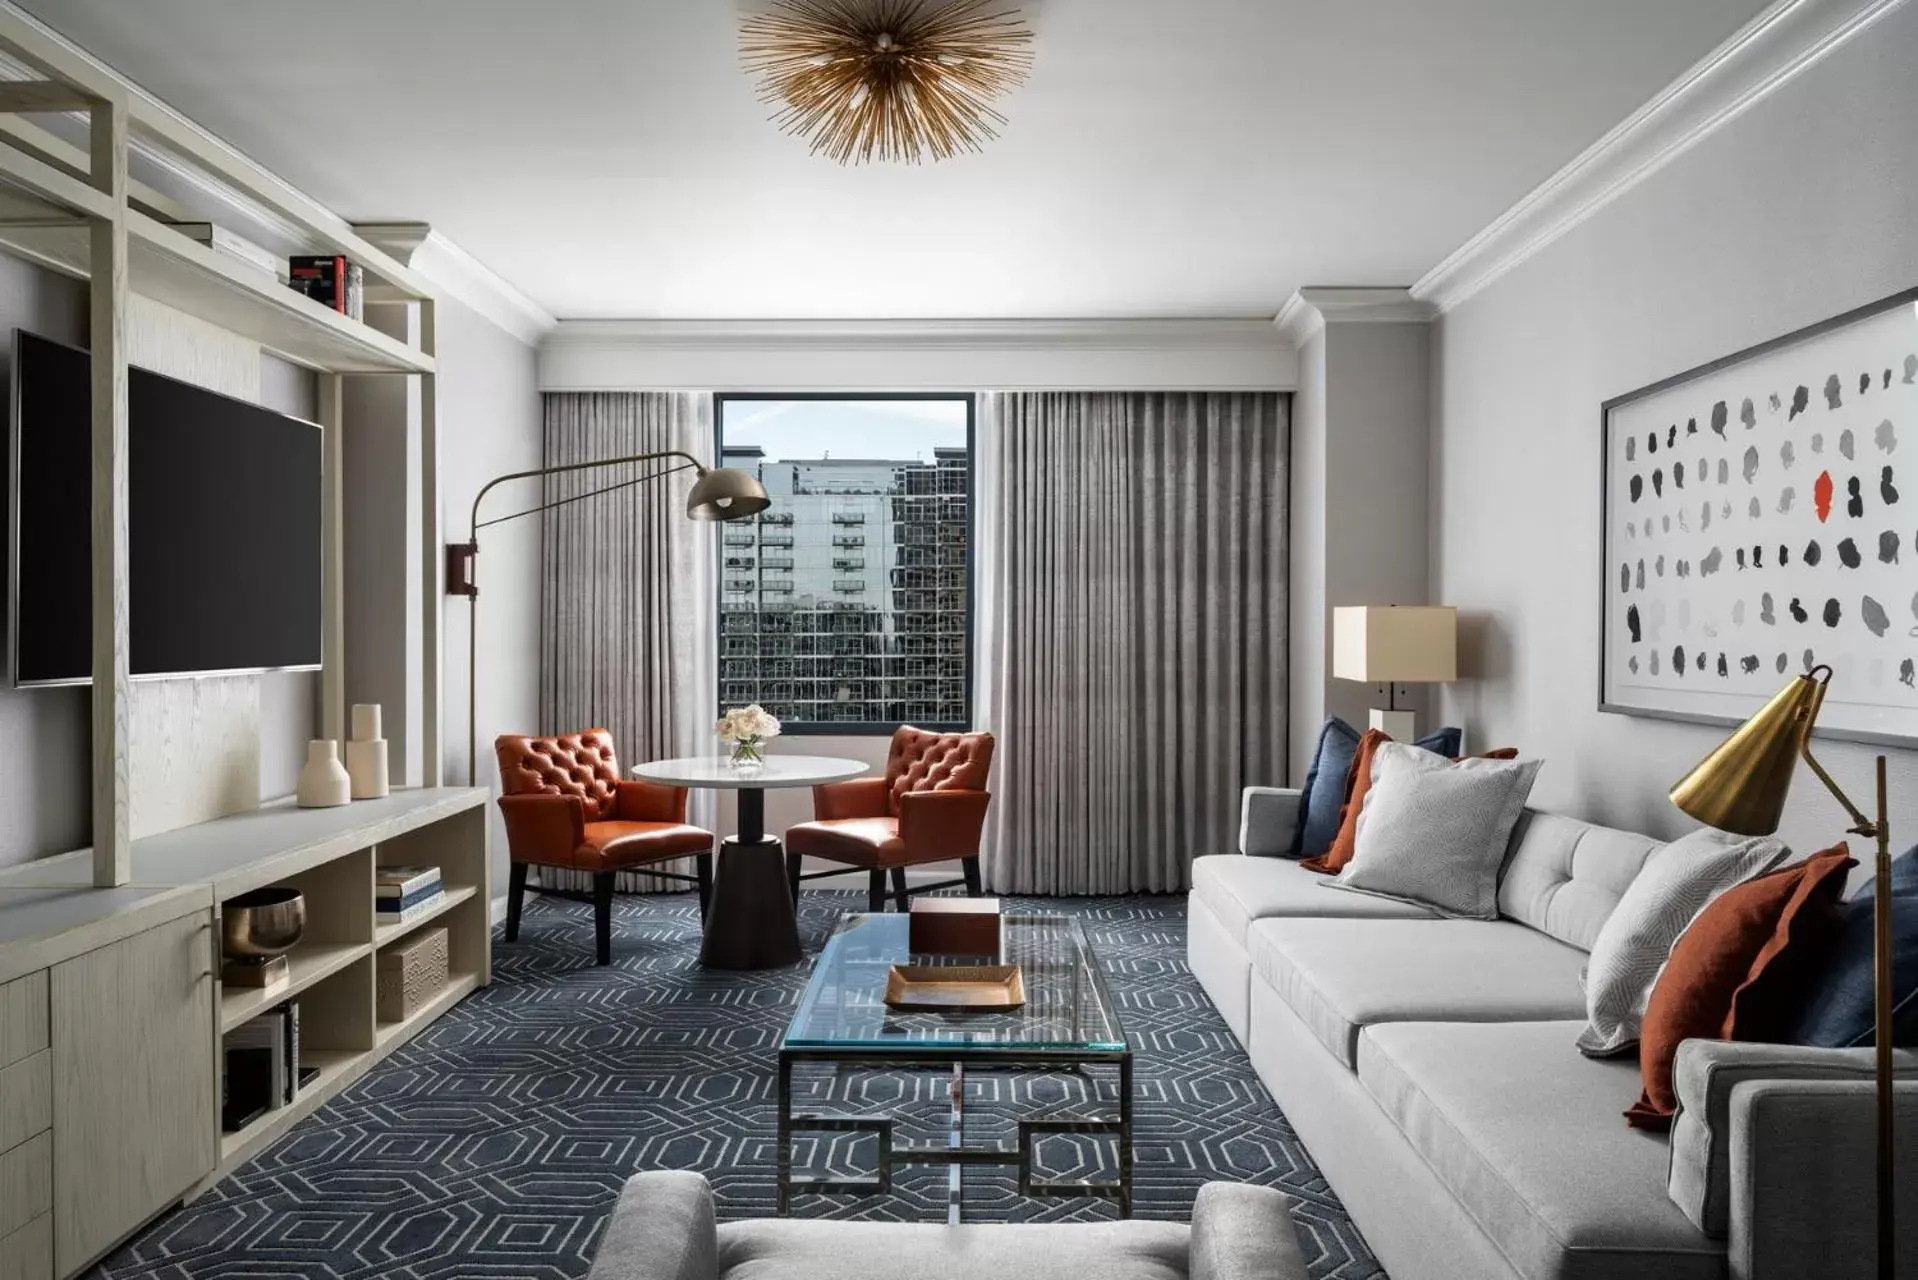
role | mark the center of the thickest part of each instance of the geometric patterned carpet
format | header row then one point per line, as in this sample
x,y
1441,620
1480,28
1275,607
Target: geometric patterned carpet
x,y
494,1144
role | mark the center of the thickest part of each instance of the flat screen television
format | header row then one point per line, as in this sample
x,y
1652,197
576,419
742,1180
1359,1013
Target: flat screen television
x,y
223,526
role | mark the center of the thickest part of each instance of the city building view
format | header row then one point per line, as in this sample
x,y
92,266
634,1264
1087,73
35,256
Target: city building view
x,y
846,602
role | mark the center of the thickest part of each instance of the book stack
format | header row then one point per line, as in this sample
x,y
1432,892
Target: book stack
x,y
405,893
262,1069
239,248
330,280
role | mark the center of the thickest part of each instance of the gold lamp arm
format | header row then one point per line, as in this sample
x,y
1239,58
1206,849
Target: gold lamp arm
x,y
1861,825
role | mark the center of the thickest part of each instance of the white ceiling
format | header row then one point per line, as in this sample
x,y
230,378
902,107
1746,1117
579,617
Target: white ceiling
x,y
1169,158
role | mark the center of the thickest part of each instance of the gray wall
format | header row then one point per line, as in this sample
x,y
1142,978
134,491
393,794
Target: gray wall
x,y
1797,210
1360,483
490,425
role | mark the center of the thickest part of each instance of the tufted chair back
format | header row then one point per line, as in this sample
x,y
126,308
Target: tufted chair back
x,y
574,764
922,761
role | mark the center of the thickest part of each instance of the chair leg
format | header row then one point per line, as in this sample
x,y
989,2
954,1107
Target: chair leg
x,y
899,889
515,894
876,891
603,882
793,863
971,868
703,868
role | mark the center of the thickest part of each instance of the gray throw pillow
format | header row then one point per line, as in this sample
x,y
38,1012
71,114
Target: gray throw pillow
x,y
1675,884
1435,832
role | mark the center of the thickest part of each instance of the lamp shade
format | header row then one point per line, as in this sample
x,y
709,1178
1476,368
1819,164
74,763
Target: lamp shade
x,y
1395,644
726,493
1741,786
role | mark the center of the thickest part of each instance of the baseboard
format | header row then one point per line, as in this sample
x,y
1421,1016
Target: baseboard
x,y
499,909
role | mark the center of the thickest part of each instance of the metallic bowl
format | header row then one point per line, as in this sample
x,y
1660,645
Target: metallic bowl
x,y
262,924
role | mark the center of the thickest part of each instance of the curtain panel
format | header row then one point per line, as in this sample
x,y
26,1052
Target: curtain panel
x,y
628,637
1133,637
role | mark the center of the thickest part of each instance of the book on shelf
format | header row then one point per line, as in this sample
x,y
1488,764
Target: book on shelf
x,y
238,247
261,1066
389,912
331,280
398,882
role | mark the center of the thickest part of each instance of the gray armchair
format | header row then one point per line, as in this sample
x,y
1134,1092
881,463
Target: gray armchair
x,y
664,1229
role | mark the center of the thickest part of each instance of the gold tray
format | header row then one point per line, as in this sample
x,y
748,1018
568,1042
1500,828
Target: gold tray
x,y
955,988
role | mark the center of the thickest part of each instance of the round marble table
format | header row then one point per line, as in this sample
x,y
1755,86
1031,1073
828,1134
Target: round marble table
x,y
750,923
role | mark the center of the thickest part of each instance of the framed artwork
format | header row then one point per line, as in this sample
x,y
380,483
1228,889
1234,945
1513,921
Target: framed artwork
x,y
1761,516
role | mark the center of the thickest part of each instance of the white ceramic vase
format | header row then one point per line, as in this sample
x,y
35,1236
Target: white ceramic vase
x,y
366,753
323,781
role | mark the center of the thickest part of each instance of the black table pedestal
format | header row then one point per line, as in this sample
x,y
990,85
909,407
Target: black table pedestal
x,y
750,923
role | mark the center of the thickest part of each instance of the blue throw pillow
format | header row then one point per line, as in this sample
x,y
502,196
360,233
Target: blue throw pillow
x,y
1838,1014
1324,794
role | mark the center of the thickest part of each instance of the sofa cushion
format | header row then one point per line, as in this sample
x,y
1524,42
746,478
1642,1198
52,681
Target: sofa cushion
x,y
1341,976
782,1249
1525,1133
1563,877
1328,782
1240,890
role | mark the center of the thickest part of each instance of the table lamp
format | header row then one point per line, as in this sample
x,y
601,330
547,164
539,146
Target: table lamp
x,y
1740,788
1395,644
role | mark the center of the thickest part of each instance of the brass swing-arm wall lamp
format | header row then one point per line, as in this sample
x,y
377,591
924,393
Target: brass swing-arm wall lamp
x,y
1741,788
720,493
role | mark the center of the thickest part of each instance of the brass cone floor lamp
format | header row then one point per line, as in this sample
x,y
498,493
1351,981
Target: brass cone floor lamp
x,y
720,493
1741,788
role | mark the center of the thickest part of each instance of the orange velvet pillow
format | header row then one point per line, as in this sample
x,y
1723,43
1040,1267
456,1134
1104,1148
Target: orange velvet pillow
x,y
1357,784
1737,970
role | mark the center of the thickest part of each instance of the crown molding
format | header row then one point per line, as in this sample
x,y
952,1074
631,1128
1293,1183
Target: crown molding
x,y
847,355
458,274
894,334
1307,312
1761,58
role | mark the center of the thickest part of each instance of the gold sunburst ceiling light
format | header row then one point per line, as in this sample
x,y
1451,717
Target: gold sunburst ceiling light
x,y
868,80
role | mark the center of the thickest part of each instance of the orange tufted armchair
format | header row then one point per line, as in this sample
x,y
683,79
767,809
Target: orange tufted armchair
x,y
930,807
566,806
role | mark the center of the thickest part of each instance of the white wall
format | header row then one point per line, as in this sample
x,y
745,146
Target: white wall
x,y
489,424
1796,210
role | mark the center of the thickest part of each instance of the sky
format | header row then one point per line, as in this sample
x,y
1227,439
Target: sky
x,y
895,430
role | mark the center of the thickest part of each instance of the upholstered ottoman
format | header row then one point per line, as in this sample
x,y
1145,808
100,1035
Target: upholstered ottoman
x,y
664,1229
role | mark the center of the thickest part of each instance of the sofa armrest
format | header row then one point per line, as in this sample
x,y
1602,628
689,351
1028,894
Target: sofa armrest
x,y
1804,1179
661,1229
640,801
942,824
1243,1232
1705,1075
860,798
1269,821
543,829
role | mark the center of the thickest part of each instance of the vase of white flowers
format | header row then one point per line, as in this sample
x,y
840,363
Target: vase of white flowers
x,y
747,730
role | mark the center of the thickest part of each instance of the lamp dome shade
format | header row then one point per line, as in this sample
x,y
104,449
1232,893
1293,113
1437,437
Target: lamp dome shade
x,y
1741,786
726,493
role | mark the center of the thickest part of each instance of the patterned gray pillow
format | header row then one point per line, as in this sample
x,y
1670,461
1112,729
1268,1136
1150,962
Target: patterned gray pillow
x,y
1435,832
1675,884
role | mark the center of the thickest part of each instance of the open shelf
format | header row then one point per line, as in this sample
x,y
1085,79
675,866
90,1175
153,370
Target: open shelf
x,y
451,897
336,1068
308,963
188,276
458,987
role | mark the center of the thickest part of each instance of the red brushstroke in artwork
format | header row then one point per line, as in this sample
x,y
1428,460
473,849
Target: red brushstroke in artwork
x,y
1821,494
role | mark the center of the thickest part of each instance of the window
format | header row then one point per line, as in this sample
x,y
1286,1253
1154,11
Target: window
x,y
860,620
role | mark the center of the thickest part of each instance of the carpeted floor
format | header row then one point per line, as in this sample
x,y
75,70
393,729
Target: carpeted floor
x,y
495,1143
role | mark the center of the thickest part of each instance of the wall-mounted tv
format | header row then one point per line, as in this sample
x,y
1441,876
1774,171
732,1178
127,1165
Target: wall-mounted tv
x,y
223,527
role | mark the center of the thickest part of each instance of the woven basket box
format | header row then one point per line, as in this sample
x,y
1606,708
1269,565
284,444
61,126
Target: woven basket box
x,y
411,973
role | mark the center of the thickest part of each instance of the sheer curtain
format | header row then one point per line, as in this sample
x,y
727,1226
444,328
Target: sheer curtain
x,y
628,636
1132,630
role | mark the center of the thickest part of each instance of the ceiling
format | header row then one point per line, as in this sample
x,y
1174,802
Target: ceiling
x,y
1168,158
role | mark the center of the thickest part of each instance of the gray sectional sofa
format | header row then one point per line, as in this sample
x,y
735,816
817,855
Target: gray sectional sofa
x,y
1429,1066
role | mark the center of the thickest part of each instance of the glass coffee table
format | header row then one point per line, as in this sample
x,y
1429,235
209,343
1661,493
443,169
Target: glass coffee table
x,y
1067,1024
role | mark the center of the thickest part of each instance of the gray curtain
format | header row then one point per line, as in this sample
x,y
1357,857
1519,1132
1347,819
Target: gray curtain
x,y
1133,658
627,592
